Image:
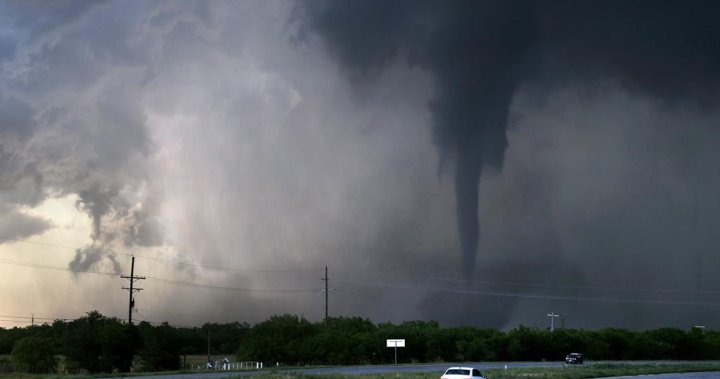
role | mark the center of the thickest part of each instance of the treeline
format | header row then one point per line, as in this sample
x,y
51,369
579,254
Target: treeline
x,y
95,343
292,340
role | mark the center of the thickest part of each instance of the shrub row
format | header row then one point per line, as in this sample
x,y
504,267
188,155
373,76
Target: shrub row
x,y
95,343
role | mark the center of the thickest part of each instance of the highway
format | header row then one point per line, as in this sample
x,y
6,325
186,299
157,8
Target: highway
x,y
689,375
430,367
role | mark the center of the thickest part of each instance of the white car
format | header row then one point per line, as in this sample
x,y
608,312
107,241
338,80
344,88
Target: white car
x,y
462,373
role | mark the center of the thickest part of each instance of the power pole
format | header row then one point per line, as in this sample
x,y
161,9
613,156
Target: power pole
x,y
552,316
208,334
132,290
326,280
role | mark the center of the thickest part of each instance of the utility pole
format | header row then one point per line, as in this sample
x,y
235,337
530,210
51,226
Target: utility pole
x,y
326,280
552,316
132,290
209,353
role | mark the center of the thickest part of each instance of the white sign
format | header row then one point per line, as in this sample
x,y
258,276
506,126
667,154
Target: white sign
x,y
395,343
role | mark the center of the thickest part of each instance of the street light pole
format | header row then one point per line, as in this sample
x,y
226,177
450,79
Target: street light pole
x,y
552,316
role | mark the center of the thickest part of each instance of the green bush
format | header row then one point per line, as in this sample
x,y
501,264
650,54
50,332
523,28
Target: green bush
x,y
96,343
161,347
34,355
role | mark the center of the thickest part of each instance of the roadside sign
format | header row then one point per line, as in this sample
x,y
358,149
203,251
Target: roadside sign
x,y
395,344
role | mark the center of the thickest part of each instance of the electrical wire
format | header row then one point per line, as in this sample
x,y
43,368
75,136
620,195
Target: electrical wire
x,y
204,318
171,313
210,286
533,296
167,261
226,269
344,279
54,268
537,285
160,280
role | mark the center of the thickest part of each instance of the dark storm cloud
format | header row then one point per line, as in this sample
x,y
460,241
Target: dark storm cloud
x,y
116,224
666,49
92,257
34,25
41,17
479,52
145,229
71,120
16,118
96,202
14,225
204,133
475,52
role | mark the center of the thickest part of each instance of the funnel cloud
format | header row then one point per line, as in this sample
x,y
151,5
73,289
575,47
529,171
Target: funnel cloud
x,y
478,53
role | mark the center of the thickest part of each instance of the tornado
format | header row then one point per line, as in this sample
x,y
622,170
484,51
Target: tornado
x,y
479,52
475,52
467,182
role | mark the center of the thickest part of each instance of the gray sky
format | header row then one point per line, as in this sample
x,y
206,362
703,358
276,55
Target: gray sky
x,y
237,148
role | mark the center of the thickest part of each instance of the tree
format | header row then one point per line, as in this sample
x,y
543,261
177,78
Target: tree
x,y
646,345
282,339
527,344
224,338
161,347
99,344
119,343
35,354
617,343
346,340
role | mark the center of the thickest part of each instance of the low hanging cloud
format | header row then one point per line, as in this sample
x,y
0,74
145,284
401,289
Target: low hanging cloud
x,y
480,52
483,56
16,225
79,129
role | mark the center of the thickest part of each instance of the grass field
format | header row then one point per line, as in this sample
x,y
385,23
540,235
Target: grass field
x,y
568,372
575,372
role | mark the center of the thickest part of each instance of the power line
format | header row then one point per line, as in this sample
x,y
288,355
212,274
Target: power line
x,y
54,268
29,319
539,285
36,318
38,243
142,316
171,313
228,269
375,274
210,286
424,278
159,280
154,279
375,284
533,296
15,321
166,261
251,320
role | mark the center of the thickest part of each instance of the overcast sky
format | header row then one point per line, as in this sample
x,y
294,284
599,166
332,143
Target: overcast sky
x,y
481,163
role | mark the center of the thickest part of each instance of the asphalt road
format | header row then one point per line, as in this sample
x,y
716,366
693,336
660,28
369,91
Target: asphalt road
x,y
432,367
429,367
689,375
